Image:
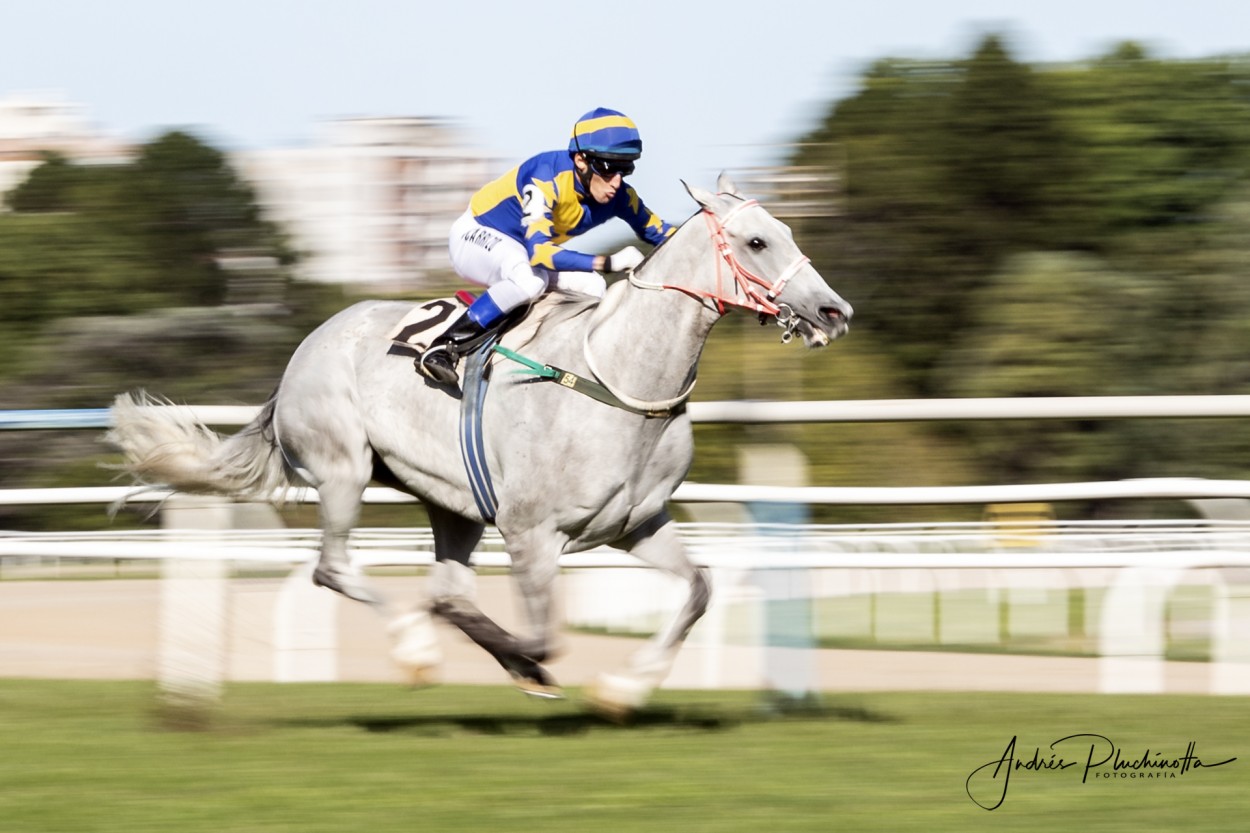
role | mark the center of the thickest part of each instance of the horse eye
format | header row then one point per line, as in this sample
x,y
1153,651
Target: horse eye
x,y
757,245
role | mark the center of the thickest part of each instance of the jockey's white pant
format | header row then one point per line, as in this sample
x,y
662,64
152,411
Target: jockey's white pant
x,y
501,264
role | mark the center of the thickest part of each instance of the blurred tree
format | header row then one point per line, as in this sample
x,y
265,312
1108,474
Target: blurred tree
x,y
1054,324
109,277
53,265
1163,142
1007,159
48,187
193,209
142,235
744,361
950,168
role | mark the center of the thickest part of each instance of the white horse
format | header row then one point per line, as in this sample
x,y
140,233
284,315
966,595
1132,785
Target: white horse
x,y
569,473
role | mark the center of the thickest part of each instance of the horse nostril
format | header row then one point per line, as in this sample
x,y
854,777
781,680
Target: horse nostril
x,y
834,314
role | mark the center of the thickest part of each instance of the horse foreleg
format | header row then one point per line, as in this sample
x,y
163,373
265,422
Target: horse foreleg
x,y
535,567
655,543
460,610
453,597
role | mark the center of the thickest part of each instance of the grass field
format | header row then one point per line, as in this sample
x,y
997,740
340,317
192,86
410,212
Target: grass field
x,y
81,757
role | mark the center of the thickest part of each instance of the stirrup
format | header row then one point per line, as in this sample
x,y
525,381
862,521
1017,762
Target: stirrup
x,y
437,363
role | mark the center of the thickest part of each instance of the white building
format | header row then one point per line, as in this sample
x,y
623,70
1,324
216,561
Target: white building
x,y
31,124
373,202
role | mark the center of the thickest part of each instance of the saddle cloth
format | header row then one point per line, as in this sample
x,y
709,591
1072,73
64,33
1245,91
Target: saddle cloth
x,y
426,322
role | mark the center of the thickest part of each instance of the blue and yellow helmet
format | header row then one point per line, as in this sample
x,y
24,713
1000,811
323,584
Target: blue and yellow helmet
x,y
606,133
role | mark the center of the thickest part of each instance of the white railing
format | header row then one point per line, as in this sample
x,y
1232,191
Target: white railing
x,y
868,410
1143,556
966,545
1187,488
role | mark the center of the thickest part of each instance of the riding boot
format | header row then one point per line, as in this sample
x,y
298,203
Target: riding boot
x,y
439,360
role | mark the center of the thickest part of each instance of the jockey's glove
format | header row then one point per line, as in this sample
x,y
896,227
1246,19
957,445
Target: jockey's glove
x,y
624,260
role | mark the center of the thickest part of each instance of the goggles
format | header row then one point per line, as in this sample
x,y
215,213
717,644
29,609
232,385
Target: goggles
x,y
608,168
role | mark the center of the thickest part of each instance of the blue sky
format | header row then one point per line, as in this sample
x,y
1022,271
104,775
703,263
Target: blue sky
x,y
712,84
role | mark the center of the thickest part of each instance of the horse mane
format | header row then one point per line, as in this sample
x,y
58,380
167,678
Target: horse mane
x,y
655,249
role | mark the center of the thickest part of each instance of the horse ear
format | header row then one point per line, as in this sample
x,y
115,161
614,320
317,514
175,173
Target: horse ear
x,y
701,196
726,185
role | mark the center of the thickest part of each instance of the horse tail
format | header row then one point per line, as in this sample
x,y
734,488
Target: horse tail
x,y
167,446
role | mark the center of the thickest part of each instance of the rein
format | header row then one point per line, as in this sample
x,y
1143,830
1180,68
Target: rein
x,y
593,389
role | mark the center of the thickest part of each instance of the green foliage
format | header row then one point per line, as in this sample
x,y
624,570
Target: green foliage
x,y
1007,230
744,361
49,187
131,237
54,265
951,168
110,280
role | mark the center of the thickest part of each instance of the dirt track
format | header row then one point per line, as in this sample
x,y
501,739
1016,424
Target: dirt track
x,y
108,630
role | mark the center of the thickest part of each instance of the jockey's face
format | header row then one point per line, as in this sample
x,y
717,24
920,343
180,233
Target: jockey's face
x,y
602,189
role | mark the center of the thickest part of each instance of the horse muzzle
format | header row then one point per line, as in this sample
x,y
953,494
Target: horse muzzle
x,y
830,322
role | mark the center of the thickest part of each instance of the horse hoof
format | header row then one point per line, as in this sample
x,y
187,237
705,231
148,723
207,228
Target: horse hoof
x,y
616,697
533,688
422,676
353,587
416,651
534,680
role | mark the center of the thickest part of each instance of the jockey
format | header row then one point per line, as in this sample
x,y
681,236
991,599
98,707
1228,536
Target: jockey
x,y
509,239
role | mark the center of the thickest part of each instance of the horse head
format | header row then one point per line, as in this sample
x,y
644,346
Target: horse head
x,y
770,275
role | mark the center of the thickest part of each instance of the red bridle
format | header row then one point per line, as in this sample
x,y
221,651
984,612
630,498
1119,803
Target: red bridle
x,y
751,291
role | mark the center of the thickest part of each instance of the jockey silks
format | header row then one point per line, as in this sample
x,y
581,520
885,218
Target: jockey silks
x,y
541,204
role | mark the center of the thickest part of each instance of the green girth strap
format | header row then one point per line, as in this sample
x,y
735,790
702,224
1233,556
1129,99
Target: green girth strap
x,y
587,387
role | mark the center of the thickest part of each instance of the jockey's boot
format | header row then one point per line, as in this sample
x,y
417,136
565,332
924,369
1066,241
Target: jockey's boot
x,y
468,331
439,360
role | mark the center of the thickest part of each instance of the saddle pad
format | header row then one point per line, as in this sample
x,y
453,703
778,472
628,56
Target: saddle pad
x,y
426,321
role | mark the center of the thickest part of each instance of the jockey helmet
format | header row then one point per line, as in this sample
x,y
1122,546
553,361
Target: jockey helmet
x,y
606,134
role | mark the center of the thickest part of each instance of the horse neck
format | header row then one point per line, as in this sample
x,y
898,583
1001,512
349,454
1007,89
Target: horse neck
x,y
648,341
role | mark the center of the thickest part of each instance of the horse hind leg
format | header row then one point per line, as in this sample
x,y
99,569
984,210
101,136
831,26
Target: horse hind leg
x,y
339,511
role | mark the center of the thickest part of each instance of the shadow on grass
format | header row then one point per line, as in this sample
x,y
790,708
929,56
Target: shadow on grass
x,y
693,719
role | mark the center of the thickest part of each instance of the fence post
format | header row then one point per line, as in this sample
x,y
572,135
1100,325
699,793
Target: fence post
x,y
1230,638
191,651
1131,639
786,593
305,636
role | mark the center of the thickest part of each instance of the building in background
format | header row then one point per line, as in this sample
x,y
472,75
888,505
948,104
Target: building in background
x,y
371,204
33,124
